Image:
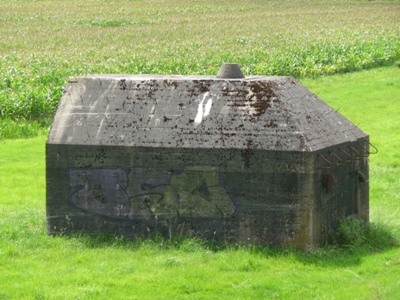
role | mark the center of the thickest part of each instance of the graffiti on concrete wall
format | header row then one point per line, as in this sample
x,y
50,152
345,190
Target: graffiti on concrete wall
x,y
142,193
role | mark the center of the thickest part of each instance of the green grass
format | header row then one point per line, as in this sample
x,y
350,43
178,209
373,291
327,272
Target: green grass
x,y
364,266
22,128
42,43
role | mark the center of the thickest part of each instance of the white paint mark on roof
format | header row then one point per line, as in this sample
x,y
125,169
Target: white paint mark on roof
x,y
199,116
207,107
203,110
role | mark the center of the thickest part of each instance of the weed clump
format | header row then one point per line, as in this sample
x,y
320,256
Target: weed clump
x,y
355,235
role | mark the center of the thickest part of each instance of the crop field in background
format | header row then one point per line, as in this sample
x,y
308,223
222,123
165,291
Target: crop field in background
x,y
42,43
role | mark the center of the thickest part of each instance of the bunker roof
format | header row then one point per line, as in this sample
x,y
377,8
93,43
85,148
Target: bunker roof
x,y
257,112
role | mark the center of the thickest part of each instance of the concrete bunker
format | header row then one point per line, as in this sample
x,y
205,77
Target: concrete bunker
x,y
244,159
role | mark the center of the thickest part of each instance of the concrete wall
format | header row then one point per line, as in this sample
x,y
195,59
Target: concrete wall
x,y
237,195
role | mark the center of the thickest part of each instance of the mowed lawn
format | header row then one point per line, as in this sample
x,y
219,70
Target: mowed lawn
x,y
36,266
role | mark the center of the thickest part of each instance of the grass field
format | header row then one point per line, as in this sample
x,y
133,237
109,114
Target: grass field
x,y
35,266
42,43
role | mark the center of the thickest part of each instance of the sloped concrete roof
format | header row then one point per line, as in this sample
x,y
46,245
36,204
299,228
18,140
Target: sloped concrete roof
x,y
270,113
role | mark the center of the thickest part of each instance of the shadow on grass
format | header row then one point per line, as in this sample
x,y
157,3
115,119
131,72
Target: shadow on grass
x,y
353,241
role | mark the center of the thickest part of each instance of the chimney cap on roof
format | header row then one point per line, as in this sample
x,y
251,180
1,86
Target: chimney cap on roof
x,y
230,70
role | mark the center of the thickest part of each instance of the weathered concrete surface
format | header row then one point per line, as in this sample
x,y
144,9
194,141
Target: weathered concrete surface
x,y
258,159
270,113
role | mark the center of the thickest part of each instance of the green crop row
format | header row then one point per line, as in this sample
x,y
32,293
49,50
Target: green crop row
x,y
31,89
